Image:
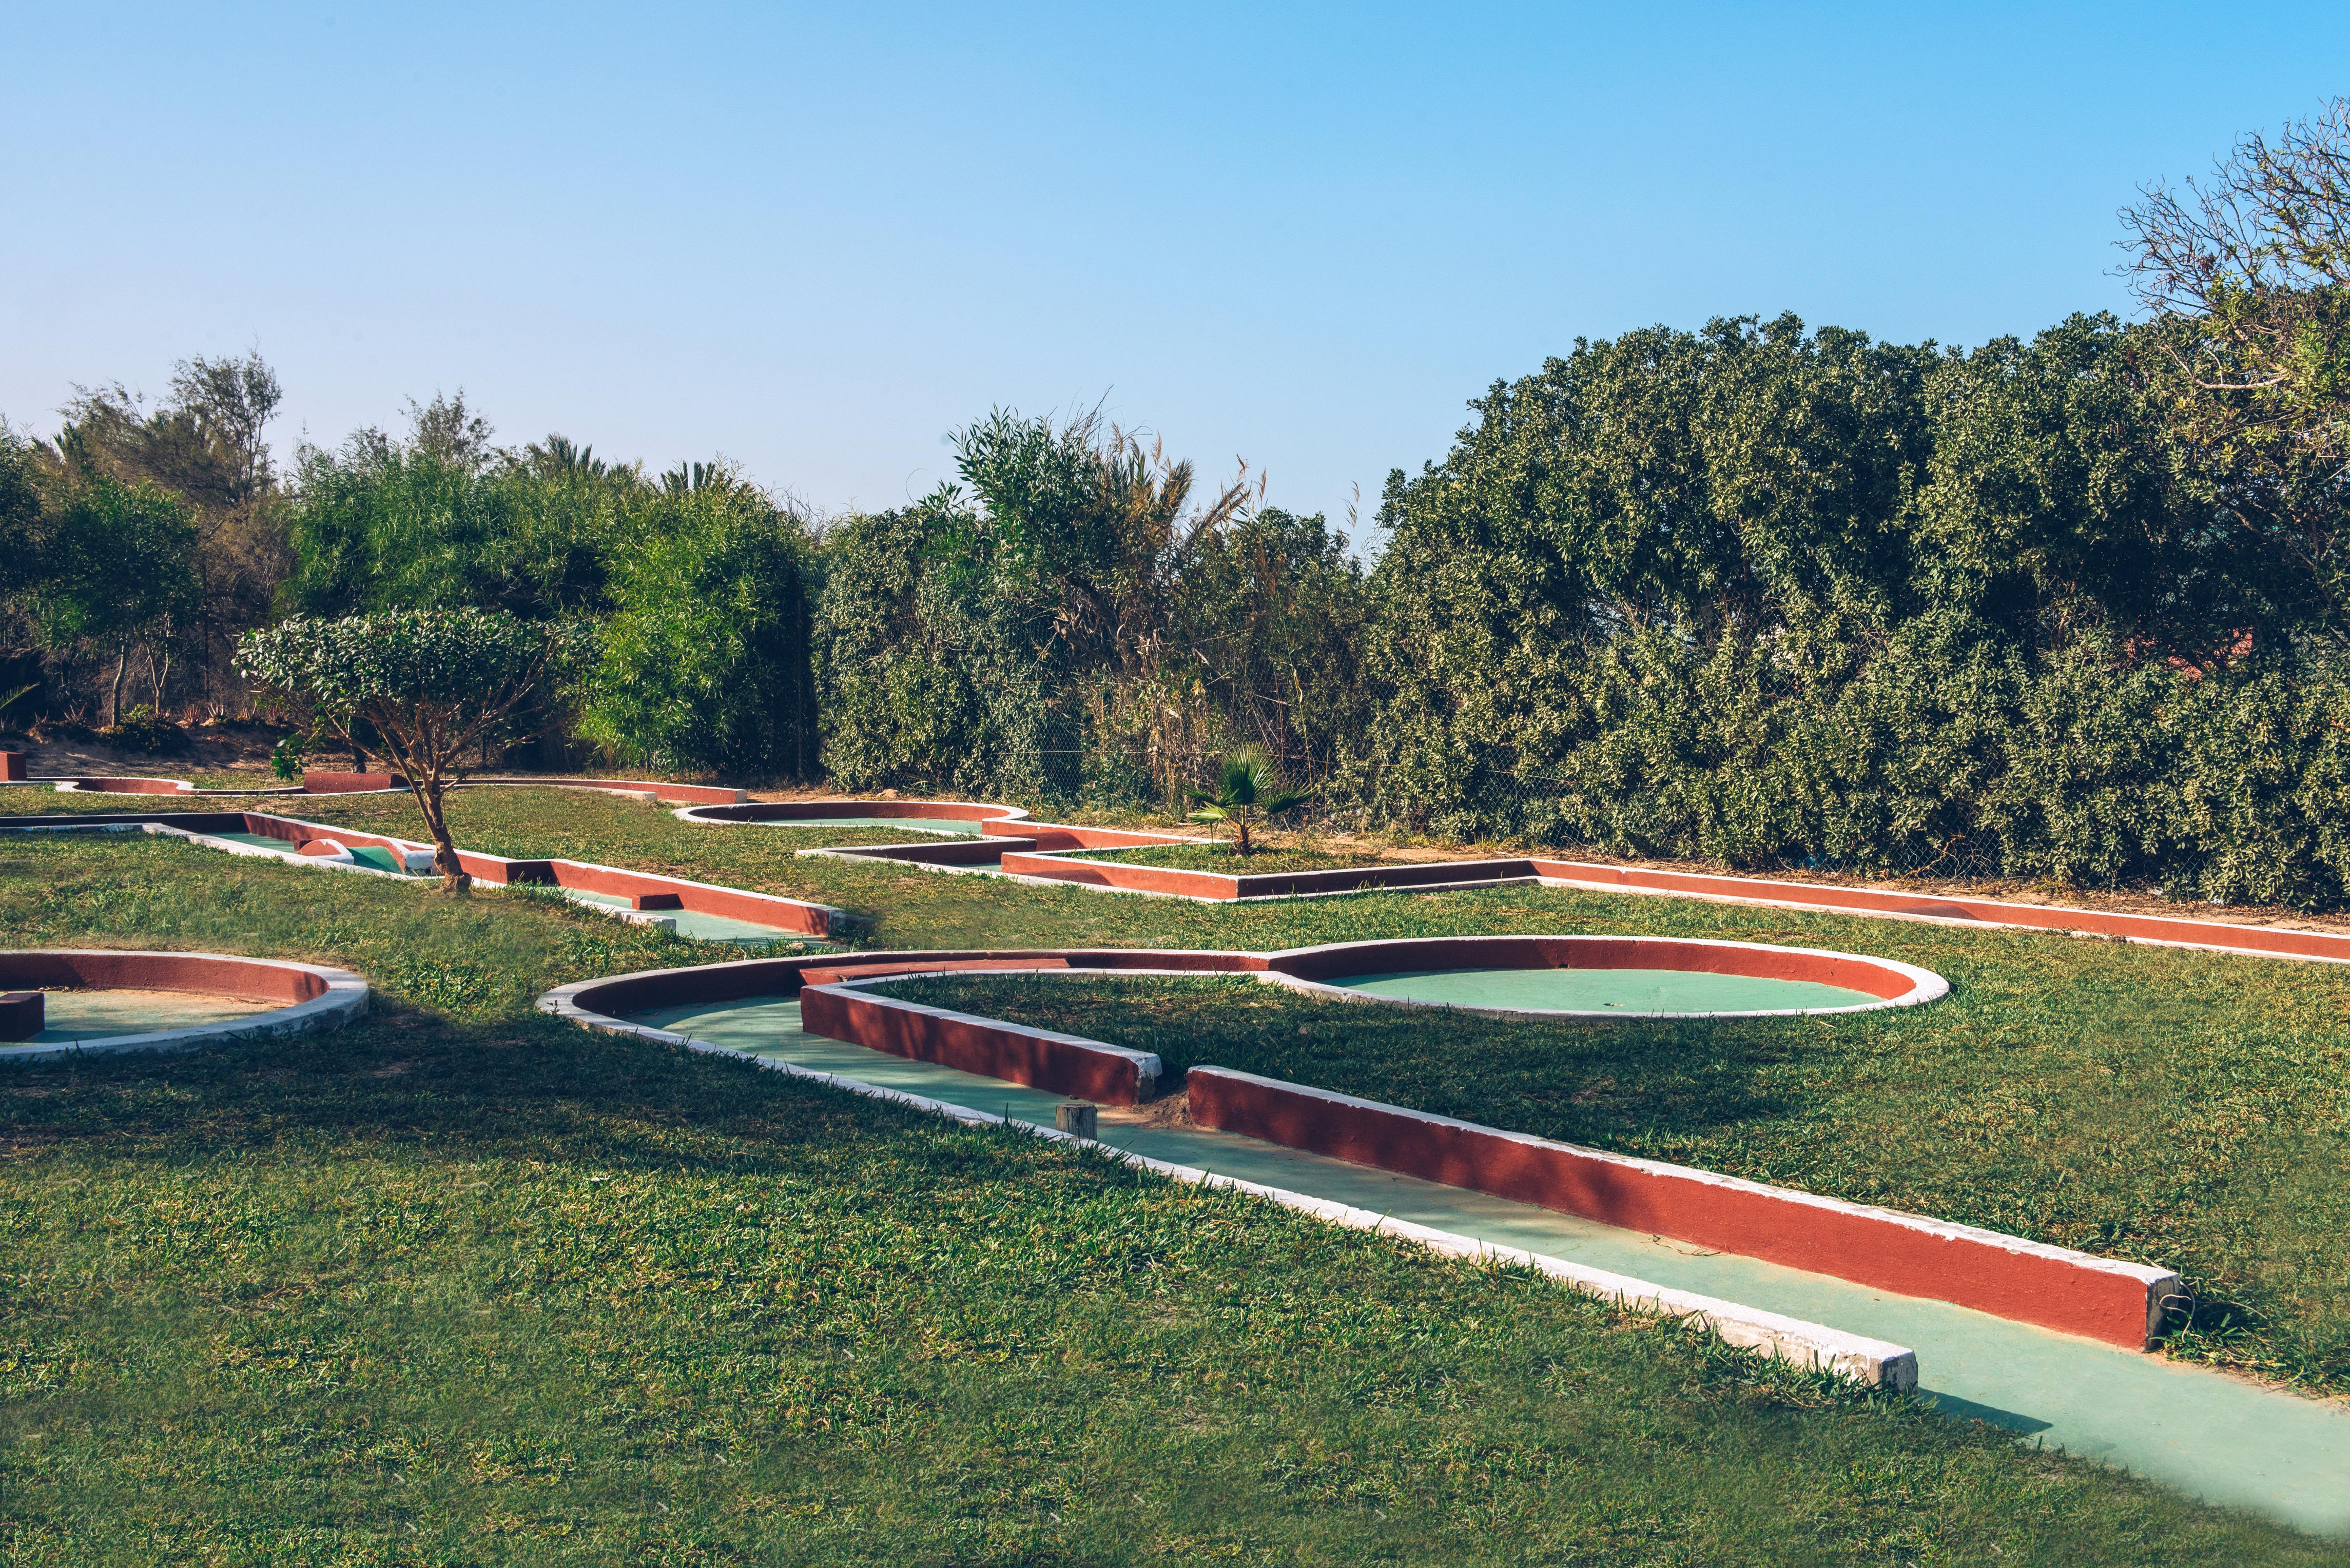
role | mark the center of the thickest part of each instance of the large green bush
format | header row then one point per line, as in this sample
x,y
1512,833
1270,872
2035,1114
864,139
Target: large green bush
x,y
1074,627
705,654
1768,598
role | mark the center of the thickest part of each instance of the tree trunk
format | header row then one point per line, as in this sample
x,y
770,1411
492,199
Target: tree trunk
x,y
114,698
454,878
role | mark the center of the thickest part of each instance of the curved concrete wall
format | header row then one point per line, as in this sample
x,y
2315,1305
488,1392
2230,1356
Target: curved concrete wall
x,y
1895,985
312,996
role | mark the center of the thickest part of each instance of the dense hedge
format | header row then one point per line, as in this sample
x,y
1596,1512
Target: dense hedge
x,y
1765,598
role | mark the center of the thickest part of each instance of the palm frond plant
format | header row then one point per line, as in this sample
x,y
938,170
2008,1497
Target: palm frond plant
x,y
1246,784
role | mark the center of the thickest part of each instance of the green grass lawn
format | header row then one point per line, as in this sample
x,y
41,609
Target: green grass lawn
x,y
459,1284
2186,1109
2191,1109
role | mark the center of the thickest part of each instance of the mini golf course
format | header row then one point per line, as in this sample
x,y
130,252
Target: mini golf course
x,y
2038,1338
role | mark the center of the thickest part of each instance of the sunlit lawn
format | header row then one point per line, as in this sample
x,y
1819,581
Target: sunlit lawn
x,y
461,1284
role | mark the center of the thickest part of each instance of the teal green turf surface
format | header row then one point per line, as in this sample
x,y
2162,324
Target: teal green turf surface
x,y
932,825
1629,990
72,1015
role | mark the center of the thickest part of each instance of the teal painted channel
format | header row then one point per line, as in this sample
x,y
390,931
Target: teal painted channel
x,y
365,854
930,824
2221,1438
1630,990
76,1016
700,927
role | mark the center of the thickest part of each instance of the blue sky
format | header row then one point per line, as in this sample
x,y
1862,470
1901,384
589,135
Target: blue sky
x,y
818,239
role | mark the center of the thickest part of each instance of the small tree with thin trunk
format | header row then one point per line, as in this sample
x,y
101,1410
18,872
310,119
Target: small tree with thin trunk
x,y
429,686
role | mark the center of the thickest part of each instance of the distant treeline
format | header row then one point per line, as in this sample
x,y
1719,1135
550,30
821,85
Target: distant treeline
x,y
2076,608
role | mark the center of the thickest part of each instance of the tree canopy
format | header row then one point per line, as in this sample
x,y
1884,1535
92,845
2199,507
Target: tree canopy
x,y
429,687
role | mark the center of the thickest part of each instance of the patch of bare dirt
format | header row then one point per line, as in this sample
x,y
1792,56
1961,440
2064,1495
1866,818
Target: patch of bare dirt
x,y
211,749
1167,1111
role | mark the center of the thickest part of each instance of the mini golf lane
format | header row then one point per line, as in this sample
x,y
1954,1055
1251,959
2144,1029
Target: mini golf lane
x,y
2226,1440
88,1016
1634,991
939,826
694,923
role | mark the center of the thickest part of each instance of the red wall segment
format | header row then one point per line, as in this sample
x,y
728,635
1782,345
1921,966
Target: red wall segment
x,y
1060,1063
2118,1302
349,783
1936,907
210,975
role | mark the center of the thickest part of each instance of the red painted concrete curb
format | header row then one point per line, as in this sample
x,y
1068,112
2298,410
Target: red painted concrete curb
x,y
351,783
210,975
2054,1287
1220,885
824,810
2158,929
1063,1063
12,768
23,1014
791,915
660,790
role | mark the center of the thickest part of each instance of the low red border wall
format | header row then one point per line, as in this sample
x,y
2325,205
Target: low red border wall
x,y
1189,883
1970,912
349,783
660,789
2120,1303
1063,1063
826,810
955,851
1054,837
699,898
788,915
112,785
251,979
12,768
1119,875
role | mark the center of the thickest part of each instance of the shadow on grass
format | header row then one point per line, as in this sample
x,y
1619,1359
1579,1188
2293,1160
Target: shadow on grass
x,y
527,1089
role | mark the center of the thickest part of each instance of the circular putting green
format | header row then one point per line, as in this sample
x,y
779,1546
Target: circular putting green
x,y
1595,976
91,1017
1628,990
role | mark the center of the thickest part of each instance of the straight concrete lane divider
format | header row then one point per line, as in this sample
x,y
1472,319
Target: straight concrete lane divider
x,y
2031,1282
1063,1063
